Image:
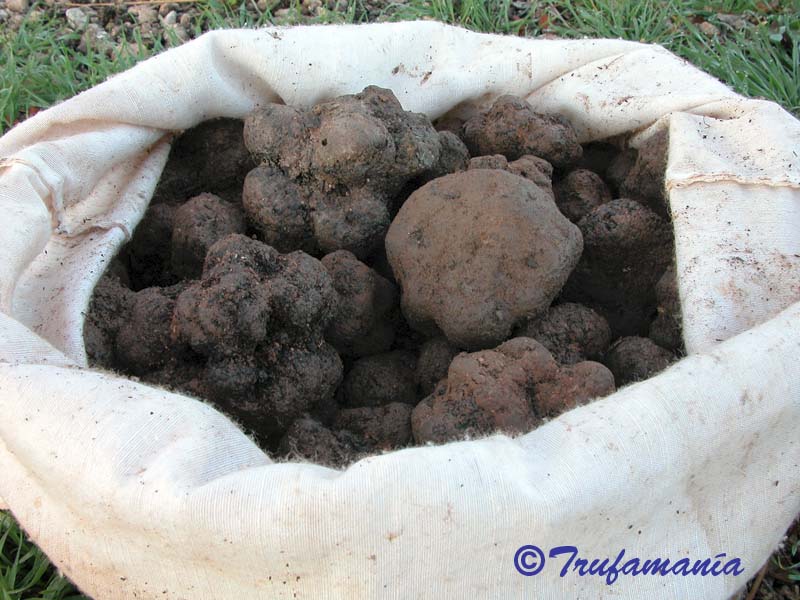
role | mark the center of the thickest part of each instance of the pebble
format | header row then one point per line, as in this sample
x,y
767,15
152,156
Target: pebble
x,y
144,13
186,20
182,34
96,38
165,9
170,19
709,29
734,21
18,6
312,7
77,19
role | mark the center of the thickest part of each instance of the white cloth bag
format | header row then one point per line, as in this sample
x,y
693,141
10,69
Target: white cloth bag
x,y
139,493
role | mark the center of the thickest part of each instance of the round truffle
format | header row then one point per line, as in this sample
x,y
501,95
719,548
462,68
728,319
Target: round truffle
x,y
477,252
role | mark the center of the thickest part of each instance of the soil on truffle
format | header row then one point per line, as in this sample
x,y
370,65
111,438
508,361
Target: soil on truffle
x,y
346,279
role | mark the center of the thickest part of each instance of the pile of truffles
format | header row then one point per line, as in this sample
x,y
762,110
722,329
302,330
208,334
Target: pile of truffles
x,y
348,279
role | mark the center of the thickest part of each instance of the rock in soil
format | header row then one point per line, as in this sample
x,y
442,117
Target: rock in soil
x,y
17,6
477,252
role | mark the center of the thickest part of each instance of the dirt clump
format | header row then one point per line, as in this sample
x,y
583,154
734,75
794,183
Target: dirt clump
x,y
434,359
536,169
378,428
210,157
106,314
330,173
636,358
309,440
571,332
258,317
197,225
477,252
367,310
345,279
148,255
627,247
381,379
580,192
509,389
665,330
512,128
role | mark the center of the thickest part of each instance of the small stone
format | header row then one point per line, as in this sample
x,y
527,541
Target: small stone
x,y
174,35
262,5
15,21
3,15
185,20
18,6
735,21
170,19
709,29
143,13
182,34
77,19
97,39
311,7
165,9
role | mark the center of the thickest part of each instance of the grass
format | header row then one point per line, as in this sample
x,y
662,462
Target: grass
x,y
41,64
763,62
759,56
491,16
792,569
